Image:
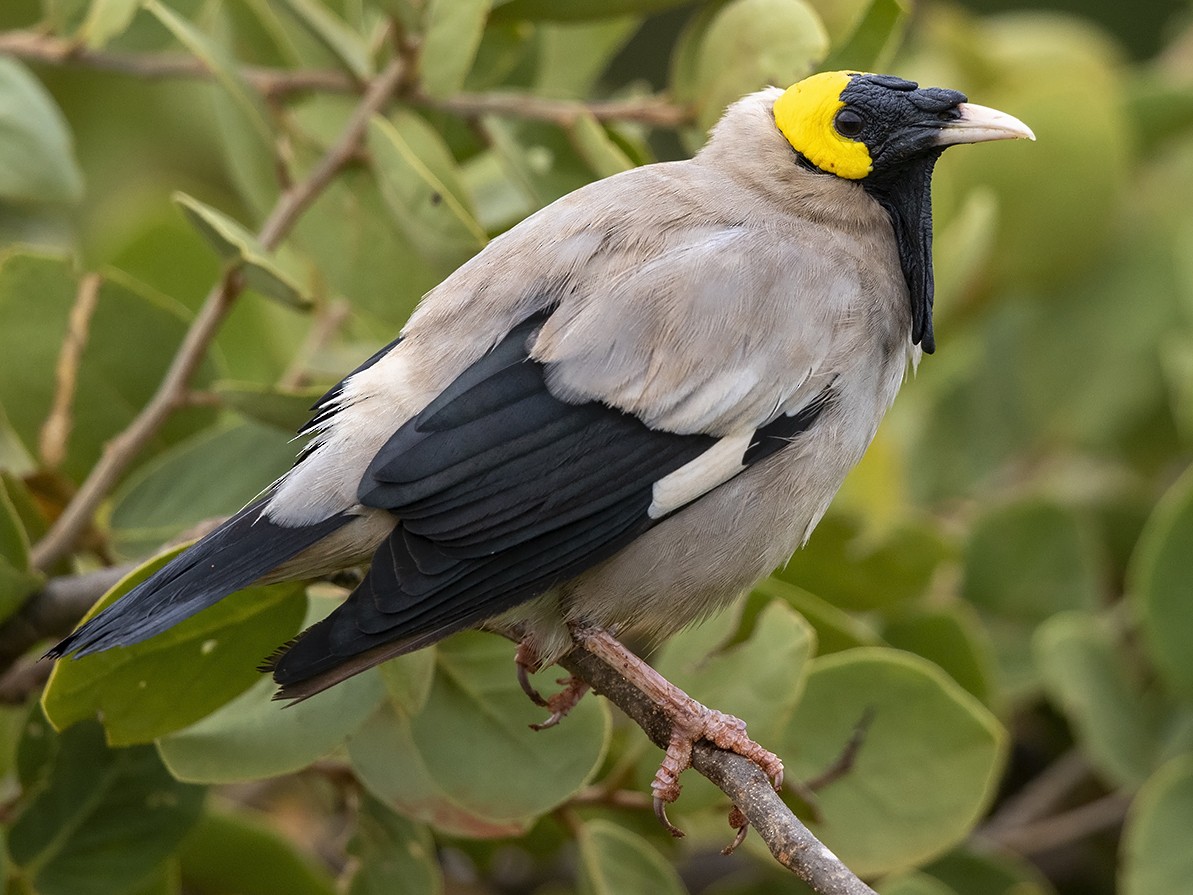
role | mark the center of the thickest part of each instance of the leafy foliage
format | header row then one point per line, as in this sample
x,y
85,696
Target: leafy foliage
x,y
1004,580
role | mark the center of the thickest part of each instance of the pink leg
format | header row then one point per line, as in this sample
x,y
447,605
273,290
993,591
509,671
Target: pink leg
x,y
690,721
559,703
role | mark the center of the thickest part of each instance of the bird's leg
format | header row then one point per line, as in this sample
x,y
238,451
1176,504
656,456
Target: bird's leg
x,y
690,721
560,703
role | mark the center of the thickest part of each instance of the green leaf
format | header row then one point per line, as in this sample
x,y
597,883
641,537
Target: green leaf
x,y
240,852
1091,682
222,67
408,680
347,46
37,162
208,476
452,34
1156,859
102,820
577,10
750,44
423,767
285,408
976,871
421,186
1160,572
17,578
614,861
392,854
953,638
596,147
855,569
105,20
37,292
573,56
1024,562
915,884
255,736
835,630
872,43
171,680
925,772
236,245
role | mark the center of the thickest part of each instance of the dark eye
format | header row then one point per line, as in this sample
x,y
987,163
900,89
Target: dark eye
x,y
849,123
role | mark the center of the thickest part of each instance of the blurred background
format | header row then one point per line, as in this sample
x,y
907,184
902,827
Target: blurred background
x,y
1004,586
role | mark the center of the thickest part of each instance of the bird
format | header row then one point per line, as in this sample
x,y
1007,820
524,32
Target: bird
x,y
619,415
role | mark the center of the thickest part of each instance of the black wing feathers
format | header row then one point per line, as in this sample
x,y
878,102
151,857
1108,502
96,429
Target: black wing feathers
x,y
233,556
501,491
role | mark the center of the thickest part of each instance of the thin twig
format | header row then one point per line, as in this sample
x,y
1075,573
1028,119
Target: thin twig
x,y
326,324
55,431
270,82
792,844
54,610
121,450
1064,828
652,110
1041,796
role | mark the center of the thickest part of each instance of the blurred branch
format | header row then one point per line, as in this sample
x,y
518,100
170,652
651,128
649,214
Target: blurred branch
x,y
1064,828
1041,795
121,450
277,83
271,82
792,844
655,111
54,609
55,431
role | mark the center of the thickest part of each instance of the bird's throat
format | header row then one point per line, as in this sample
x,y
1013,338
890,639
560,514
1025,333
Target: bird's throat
x,y
907,198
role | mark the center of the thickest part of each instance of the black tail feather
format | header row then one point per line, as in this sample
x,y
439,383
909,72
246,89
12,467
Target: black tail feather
x,y
236,554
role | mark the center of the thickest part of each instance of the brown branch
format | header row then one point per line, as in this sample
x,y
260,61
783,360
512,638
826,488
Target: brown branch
x,y
792,844
1064,828
121,450
54,610
1041,795
55,431
270,82
652,110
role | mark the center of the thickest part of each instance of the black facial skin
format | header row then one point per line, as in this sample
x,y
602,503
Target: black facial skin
x,y
899,122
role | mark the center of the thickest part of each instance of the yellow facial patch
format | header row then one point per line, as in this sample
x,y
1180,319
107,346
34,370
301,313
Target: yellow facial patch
x,y
804,115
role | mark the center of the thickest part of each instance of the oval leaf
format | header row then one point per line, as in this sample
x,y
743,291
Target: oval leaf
x,y
37,162
424,768
925,771
452,33
1156,858
393,854
1161,583
256,736
77,835
614,861
211,475
162,684
418,179
1092,683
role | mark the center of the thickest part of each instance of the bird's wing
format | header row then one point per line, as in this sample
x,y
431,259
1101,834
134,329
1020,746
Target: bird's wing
x,y
502,490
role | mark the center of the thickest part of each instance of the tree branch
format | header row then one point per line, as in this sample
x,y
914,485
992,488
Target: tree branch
x,y
271,82
655,111
276,83
792,844
121,450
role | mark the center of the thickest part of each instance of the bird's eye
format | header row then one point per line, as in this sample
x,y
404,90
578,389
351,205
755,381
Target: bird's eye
x,y
849,123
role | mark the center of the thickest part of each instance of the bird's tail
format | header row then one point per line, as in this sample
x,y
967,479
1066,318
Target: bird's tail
x,y
239,552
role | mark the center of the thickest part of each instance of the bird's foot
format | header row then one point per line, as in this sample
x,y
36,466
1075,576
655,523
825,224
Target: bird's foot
x,y
690,722
559,704
694,722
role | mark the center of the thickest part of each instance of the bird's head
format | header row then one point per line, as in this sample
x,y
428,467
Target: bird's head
x,y
886,133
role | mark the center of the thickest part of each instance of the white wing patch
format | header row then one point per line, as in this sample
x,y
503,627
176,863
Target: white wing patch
x,y
714,467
